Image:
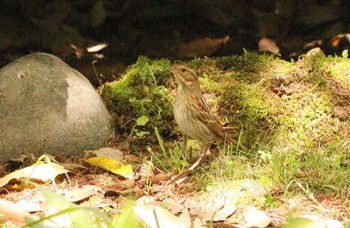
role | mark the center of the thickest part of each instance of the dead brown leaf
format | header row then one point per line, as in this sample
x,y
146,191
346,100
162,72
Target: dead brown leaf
x,y
162,177
268,45
201,47
173,206
109,152
81,193
224,213
155,216
342,112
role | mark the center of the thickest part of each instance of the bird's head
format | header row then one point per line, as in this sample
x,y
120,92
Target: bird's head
x,y
185,77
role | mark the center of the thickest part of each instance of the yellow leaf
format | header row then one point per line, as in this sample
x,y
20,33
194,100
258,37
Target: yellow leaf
x,y
112,165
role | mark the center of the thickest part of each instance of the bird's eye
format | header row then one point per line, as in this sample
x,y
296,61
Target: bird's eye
x,y
183,69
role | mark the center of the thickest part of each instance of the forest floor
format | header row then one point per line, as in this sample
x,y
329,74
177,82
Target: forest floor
x,y
290,169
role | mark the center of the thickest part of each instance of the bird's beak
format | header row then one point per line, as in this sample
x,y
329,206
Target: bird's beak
x,y
172,69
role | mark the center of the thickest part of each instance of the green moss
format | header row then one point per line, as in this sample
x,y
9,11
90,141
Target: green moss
x,y
335,69
251,68
251,108
303,119
141,92
284,109
118,94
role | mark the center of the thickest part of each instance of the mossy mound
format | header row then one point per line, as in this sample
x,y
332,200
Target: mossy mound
x,y
142,92
269,102
297,112
273,101
245,100
292,117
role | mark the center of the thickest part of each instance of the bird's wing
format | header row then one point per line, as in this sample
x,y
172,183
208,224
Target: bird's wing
x,y
206,117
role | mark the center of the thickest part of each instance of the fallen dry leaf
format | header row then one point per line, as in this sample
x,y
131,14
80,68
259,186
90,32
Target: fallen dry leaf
x,y
79,52
32,205
92,202
268,45
132,159
185,217
342,112
180,177
78,194
336,41
43,172
201,47
173,206
198,223
224,213
13,213
97,47
162,177
63,220
109,152
213,209
148,214
255,217
145,200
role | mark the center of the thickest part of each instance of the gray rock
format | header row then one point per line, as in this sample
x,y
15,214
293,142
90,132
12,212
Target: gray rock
x,y
48,107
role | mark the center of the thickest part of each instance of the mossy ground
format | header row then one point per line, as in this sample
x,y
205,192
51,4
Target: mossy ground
x,y
284,113
142,92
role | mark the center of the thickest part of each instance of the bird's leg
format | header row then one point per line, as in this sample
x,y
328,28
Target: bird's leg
x,y
206,150
184,145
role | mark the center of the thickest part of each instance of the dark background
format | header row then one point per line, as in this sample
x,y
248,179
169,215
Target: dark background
x,y
159,28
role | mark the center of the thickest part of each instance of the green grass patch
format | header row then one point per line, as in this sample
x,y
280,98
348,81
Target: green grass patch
x,y
282,111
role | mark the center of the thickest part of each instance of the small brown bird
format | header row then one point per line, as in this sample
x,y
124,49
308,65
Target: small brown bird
x,y
191,112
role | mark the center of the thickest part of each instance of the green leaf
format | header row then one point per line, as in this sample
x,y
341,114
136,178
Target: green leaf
x,y
160,140
303,223
345,53
80,217
142,121
141,133
34,225
126,218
